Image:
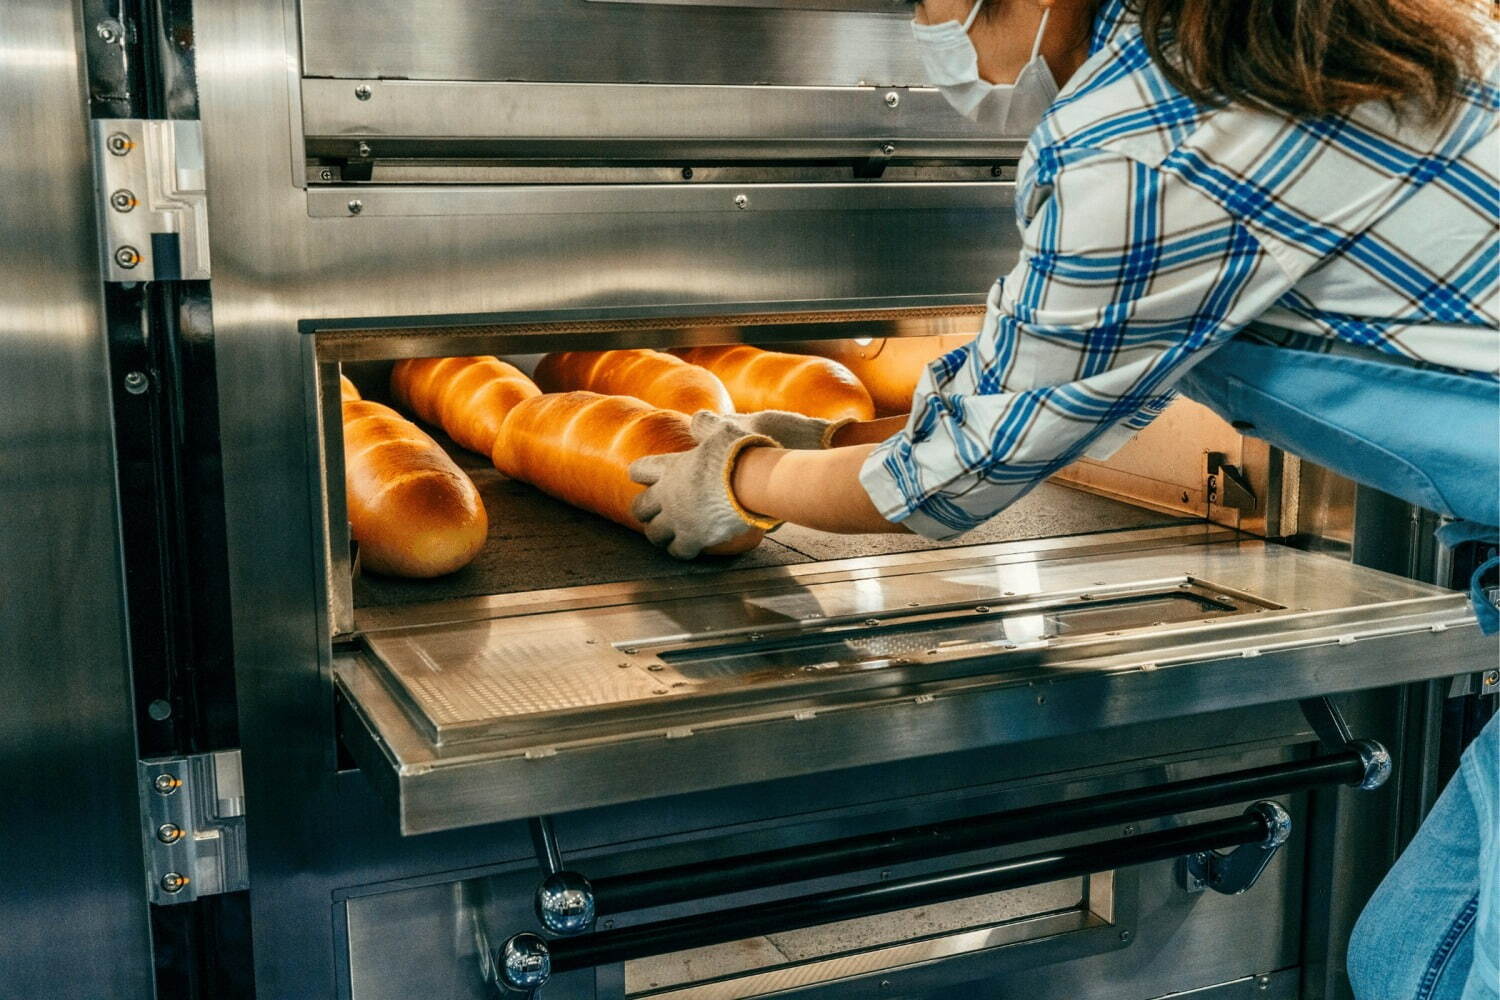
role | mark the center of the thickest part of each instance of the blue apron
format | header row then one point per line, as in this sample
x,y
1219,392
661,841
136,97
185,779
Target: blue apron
x,y
1430,438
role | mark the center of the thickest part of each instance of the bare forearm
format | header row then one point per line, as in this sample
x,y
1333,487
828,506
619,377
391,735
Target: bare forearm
x,y
868,431
817,489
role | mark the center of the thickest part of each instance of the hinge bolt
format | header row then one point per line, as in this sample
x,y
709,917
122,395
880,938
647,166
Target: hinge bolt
x,y
119,144
174,882
169,833
892,99
165,784
127,257
135,384
363,92
122,200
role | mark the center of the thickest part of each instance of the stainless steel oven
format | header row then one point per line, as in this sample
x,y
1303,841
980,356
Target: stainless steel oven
x,y
1109,746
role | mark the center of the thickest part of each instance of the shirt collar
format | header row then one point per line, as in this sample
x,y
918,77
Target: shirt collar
x,y
1109,20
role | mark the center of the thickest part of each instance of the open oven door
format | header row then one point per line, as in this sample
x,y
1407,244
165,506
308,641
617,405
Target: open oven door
x,y
544,702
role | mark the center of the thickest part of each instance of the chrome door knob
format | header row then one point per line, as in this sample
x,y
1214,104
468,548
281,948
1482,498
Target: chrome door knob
x,y
565,904
524,964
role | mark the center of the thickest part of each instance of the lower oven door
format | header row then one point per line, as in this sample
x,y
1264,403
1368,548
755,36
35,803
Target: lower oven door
x,y
529,704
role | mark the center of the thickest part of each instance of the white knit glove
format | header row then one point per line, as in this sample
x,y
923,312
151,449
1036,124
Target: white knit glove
x,y
790,430
689,503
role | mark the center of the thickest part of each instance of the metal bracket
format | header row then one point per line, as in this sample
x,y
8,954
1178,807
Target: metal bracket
x,y
1227,486
153,207
193,825
1235,872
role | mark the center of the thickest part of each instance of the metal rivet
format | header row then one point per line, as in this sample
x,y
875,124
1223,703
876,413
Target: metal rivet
x,y
741,201
659,691
364,149
127,257
169,833
892,99
755,637
356,206
110,31
173,882
655,667
1126,935
630,650
983,609
1262,983
687,173
363,92
1130,831
872,622
160,710
885,984
1184,498
135,384
119,144
122,200
165,784
623,666
887,148
325,174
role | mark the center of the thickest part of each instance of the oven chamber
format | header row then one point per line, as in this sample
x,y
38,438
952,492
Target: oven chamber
x,y
408,179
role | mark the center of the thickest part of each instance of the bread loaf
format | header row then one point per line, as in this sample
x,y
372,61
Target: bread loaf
x,y
578,447
347,392
889,367
412,511
467,397
769,380
651,376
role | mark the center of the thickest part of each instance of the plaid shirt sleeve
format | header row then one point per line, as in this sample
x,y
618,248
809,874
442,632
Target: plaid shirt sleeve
x,y
1127,277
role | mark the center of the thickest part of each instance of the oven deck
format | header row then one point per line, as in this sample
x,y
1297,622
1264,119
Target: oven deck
x,y
513,705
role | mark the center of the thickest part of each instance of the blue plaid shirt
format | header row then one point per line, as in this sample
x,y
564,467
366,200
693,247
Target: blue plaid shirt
x,y
1154,229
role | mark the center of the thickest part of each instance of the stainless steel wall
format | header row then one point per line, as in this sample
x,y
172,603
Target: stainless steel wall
x,y
72,885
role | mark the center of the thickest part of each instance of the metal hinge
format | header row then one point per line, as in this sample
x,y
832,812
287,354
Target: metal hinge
x,y
1227,485
152,204
193,825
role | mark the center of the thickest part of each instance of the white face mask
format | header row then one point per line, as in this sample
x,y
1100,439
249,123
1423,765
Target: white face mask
x,y
953,67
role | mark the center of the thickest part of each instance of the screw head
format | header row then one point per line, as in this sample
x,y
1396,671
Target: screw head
x,y
892,99
687,173
887,149
160,709
741,201
110,31
363,92
1126,936
1262,983
325,174
119,143
174,882
122,200
165,784
169,833
135,384
982,609
355,206
1492,678
127,257
364,149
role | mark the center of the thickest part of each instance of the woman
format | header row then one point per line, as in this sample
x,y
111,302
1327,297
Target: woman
x,y
1285,209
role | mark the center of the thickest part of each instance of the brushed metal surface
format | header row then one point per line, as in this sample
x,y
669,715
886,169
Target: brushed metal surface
x,y
580,41
1342,628
72,880
633,120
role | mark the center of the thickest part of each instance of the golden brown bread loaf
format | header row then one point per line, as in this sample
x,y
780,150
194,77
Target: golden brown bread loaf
x,y
770,380
652,376
347,391
578,446
889,367
413,512
467,397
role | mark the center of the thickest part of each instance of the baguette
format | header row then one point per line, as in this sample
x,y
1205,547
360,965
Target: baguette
x,y
467,397
651,376
413,512
578,447
769,380
347,391
889,367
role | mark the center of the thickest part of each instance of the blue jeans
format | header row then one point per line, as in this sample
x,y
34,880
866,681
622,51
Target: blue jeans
x,y
1430,931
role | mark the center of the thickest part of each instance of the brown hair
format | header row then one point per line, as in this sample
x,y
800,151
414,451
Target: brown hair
x,y
1317,57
